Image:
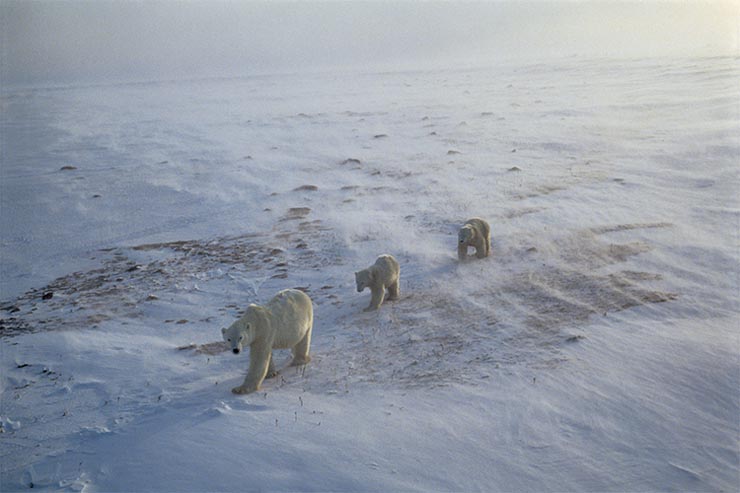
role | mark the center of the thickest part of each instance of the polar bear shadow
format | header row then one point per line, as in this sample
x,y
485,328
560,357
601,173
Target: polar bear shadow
x,y
235,404
241,404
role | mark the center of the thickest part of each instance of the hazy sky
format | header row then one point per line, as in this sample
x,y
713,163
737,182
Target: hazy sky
x,y
64,41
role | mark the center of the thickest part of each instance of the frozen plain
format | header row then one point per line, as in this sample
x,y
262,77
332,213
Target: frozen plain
x,y
596,350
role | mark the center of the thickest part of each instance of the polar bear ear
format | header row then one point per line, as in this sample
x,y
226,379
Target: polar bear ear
x,y
223,331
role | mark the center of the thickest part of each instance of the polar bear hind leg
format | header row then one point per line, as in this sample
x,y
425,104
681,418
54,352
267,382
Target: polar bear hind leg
x,y
481,248
300,350
487,241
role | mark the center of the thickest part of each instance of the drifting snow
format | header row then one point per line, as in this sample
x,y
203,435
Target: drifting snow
x,y
596,349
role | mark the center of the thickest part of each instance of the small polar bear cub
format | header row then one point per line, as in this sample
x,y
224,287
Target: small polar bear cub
x,y
284,322
384,274
475,233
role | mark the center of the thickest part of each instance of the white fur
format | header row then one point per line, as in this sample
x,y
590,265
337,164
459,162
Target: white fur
x,y
384,274
475,233
286,321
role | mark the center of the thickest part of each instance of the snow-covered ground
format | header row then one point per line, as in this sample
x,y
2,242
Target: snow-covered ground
x,y
597,349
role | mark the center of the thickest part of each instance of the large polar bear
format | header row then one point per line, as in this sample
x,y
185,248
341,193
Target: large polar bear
x,y
384,274
284,322
475,233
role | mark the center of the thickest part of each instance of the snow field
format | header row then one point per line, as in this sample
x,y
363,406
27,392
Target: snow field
x,y
595,350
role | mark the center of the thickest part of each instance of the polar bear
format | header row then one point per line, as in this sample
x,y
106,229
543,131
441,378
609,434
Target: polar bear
x,y
384,274
284,322
475,233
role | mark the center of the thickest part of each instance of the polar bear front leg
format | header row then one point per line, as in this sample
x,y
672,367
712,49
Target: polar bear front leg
x,y
462,251
378,293
394,291
260,355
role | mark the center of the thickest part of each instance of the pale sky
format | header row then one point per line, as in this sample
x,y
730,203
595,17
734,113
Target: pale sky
x,y
74,41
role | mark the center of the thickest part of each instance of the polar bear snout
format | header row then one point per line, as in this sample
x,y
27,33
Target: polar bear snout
x,y
235,350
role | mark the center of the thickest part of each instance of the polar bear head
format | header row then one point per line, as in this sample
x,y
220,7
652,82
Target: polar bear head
x,y
466,234
236,336
244,331
364,279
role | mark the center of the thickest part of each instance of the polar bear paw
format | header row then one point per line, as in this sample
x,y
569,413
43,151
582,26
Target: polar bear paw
x,y
300,361
243,389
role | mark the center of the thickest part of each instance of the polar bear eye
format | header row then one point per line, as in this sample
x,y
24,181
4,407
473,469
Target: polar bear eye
x,y
229,339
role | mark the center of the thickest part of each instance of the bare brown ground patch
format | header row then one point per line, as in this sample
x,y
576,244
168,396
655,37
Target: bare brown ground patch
x,y
125,284
460,325
476,319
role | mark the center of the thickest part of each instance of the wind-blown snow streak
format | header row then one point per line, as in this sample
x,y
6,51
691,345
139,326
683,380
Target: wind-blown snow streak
x,y
596,349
